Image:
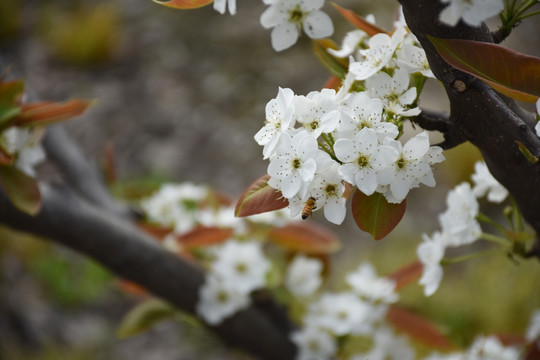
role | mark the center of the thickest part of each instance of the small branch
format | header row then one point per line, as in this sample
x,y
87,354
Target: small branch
x,y
500,34
80,173
122,248
432,120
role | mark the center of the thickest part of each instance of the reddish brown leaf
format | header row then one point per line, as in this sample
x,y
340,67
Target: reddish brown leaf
x,y
512,339
359,22
333,83
258,198
184,4
5,158
46,112
133,288
336,66
418,328
507,71
375,215
204,236
308,238
406,275
158,232
21,189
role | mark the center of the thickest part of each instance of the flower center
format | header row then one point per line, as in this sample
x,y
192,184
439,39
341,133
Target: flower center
x,y
331,189
363,161
222,297
296,163
296,15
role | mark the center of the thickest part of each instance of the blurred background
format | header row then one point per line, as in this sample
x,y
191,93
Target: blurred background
x,y
180,95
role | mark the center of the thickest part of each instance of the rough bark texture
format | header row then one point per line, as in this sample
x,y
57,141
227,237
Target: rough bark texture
x,y
489,120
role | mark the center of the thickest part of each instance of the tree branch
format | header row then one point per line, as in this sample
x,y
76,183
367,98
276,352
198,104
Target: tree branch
x,y
123,249
491,121
432,120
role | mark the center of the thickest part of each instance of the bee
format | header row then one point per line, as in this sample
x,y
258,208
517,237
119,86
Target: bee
x,y
310,206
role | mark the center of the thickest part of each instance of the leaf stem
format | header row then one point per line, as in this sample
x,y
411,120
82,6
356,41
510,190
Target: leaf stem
x,y
458,259
495,239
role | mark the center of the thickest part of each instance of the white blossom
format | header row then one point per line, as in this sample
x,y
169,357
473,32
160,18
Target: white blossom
x,y
380,51
473,12
314,344
360,111
533,331
490,348
317,112
338,313
365,282
459,222
484,183
218,301
241,265
394,92
288,17
327,188
279,118
175,205
362,157
351,42
303,276
388,346
413,59
411,167
221,5
537,127
430,253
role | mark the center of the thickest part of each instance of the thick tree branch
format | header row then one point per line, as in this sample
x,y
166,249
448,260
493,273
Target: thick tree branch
x,y
122,248
489,120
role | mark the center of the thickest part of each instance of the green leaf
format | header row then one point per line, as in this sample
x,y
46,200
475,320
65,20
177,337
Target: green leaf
x,y
337,67
184,4
144,316
511,73
21,189
11,91
258,198
375,215
8,113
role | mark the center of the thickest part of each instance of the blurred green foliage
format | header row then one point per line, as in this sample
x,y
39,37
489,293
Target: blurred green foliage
x,y
81,34
68,279
10,19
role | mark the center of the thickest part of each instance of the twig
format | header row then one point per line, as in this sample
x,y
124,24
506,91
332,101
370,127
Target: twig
x,y
432,120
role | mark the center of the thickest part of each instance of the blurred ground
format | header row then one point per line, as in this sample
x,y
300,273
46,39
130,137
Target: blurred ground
x,y
180,96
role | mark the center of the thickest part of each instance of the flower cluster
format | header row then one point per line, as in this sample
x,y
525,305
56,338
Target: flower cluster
x,y
357,312
458,224
235,267
318,142
24,145
473,12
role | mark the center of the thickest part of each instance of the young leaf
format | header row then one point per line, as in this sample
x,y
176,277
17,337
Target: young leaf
x,y
336,66
375,215
11,91
204,236
406,275
21,189
511,73
258,198
359,22
418,328
184,4
144,316
5,158
46,112
308,238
